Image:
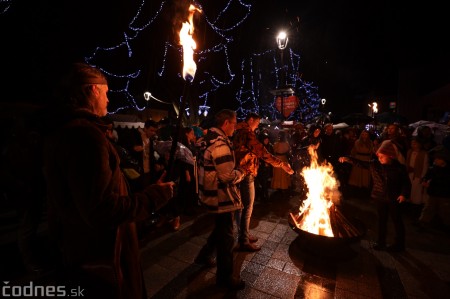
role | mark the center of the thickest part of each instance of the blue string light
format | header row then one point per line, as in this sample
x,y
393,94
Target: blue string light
x,y
120,94
4,6
256,81
254,96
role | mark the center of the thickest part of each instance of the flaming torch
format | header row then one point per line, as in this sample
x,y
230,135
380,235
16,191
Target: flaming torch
x,y
189,45
189,69
373,108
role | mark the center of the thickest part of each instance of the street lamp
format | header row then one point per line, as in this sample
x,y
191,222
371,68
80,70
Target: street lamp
x,y
203,109
282,41
147,96
322,105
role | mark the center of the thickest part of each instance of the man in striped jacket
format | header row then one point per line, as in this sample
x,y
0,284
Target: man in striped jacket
x,y
219,193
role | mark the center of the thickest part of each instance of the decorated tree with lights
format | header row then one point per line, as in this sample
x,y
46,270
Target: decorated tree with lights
x,y
143,59
129,78
147,57
261,74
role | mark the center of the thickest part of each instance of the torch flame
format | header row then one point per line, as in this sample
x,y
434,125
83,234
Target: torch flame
x,y
375,107
189,45
322,188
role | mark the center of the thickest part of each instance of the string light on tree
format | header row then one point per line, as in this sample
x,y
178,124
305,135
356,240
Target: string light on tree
x,y
4,6
250,95
123,85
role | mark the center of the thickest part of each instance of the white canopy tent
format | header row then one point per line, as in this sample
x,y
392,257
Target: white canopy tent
x,y
126,121
128,125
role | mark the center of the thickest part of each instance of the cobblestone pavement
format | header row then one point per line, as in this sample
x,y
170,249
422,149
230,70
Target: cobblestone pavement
x,y
288,265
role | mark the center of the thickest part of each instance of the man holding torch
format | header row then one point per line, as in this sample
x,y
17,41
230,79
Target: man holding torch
x,y
91,213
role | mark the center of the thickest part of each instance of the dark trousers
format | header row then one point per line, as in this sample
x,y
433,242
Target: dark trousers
x,y
263,184
386,210
221,239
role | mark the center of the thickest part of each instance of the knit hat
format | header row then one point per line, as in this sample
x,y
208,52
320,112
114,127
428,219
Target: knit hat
x,y
83,73
387,148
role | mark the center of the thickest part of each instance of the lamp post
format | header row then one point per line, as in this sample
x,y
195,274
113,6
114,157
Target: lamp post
x,y
283,89
147,97
282,41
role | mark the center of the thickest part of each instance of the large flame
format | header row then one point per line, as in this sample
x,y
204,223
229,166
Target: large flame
x,y
322,190
189,45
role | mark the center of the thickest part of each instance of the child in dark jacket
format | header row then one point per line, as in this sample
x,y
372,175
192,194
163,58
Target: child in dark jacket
x,y
436,180
391,186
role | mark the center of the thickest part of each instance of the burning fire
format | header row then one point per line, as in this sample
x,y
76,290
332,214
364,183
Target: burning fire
x,y
314,213
189,45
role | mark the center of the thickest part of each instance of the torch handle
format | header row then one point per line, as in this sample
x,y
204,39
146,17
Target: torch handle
x,y
177,134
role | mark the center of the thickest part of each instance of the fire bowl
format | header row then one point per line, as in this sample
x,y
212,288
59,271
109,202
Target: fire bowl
x,y
347,234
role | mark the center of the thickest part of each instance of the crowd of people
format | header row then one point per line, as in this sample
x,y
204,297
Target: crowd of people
x,y
101,193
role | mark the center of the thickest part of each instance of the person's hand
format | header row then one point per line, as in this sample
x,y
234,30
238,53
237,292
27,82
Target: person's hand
x,y
401,199
343,159
286,167
159,194
244,170
168,186
162,177
426,184
158,167
188,176
138,148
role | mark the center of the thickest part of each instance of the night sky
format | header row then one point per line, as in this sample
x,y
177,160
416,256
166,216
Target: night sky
x,y
349,49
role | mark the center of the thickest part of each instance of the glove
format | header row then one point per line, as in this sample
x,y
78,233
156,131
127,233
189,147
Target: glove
x,y
286,167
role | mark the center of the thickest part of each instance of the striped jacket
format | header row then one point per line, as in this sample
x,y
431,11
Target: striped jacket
x,y
218,176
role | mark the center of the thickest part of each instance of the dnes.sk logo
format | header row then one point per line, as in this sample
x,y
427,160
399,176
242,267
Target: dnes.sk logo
x,y
31,290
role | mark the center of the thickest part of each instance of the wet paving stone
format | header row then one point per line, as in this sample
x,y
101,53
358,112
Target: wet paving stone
x,y
276,283
287,268
260,259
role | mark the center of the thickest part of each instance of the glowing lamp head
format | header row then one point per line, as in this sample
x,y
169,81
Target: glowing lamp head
x,y
282,40
147,96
